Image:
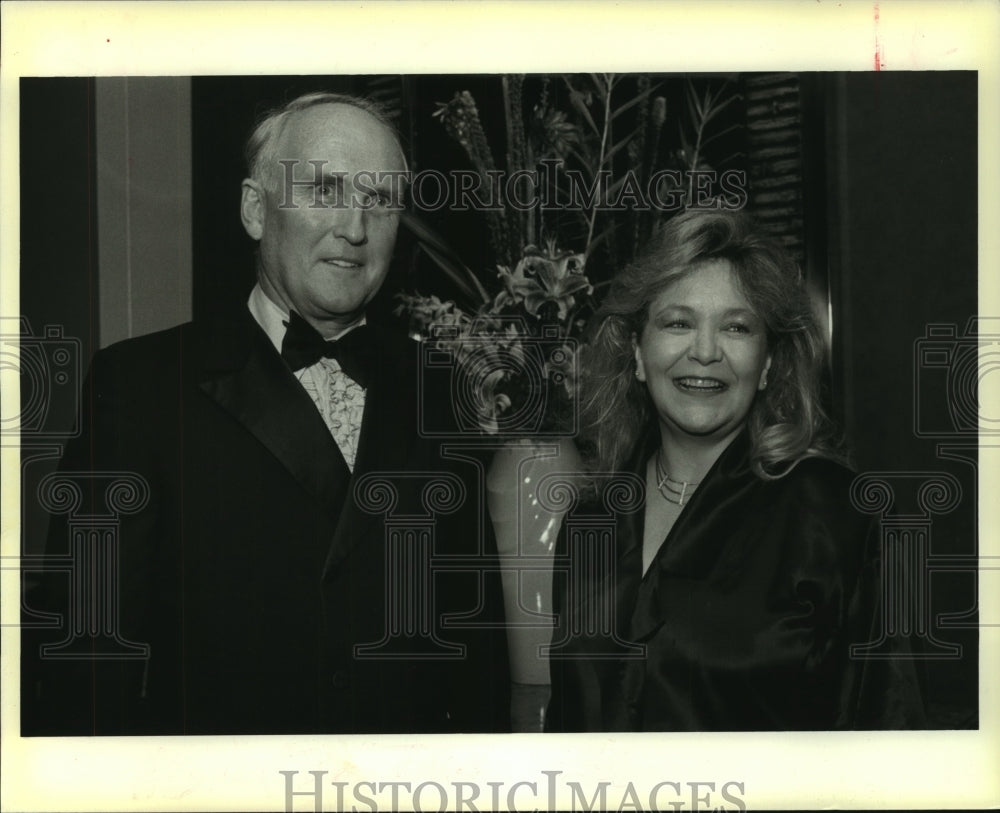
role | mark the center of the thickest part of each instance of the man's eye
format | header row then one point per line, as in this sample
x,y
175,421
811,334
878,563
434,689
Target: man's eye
x,y
384,202
328,190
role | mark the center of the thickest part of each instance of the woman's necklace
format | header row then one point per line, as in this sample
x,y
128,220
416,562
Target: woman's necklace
x,y
674,491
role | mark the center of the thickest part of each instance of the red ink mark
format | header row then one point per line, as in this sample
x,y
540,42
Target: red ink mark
x,y
878,50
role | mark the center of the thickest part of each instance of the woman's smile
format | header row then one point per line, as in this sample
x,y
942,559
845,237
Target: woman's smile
x,y
703,354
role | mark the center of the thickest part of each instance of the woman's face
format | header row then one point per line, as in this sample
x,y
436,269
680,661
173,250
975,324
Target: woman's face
x,y
703,354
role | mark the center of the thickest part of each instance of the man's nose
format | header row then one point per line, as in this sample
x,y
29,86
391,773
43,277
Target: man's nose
x,y
705,347
349,222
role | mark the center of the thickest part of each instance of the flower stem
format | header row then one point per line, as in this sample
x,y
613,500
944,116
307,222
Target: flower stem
x,y
605,135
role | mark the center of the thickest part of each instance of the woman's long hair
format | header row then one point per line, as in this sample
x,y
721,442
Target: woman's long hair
x,y
786,421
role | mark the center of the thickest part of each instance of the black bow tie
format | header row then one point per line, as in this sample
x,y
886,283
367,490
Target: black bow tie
x,y
303,346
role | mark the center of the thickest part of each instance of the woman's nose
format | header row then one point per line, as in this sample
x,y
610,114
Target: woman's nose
x,y
705,346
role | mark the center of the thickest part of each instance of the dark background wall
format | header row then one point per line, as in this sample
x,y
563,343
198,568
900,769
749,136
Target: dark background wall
x,y
902,174
58,276
904,161
59,223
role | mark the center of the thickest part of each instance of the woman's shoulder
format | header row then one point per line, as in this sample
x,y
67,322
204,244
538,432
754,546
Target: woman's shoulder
x,y
818,493
821,472
820,487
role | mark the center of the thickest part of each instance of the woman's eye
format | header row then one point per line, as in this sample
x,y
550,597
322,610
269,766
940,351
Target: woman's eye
x,y
738,327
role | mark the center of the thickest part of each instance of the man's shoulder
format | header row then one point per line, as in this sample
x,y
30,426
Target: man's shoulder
x,y
175,355
159,343
194,337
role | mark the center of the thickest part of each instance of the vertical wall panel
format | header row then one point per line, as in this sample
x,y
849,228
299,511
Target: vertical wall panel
x,y
144,204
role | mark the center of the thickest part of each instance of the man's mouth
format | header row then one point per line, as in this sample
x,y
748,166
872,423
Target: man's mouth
x,y
700,385
339,263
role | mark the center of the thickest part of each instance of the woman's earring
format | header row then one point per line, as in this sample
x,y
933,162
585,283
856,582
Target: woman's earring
x,y
638,362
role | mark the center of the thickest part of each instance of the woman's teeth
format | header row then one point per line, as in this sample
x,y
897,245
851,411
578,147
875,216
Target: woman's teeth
x,y
700,384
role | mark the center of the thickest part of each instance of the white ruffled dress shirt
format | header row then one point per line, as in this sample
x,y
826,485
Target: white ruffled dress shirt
x,y
339,398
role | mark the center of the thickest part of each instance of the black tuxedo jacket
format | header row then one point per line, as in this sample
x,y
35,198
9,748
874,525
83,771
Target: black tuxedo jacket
x,y
277,592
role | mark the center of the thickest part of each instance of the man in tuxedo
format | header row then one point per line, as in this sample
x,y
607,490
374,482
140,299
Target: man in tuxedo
x,y
276,567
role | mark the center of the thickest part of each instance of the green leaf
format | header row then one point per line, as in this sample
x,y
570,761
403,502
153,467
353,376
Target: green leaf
x,y
634,101
694,105
600,84
454,273
576,99
718,107
605,233
685,144
616,186
585,160
706,141
445,257
623,143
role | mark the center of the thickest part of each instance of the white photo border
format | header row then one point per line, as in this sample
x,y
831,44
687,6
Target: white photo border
x,y
779,770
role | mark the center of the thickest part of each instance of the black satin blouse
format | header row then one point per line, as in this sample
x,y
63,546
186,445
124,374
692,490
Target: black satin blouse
x,y
743,621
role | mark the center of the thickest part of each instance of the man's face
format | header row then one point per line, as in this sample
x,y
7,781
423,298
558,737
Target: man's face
x,y
325,245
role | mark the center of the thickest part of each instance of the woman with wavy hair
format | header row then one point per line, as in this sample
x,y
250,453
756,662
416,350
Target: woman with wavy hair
x,y
730,597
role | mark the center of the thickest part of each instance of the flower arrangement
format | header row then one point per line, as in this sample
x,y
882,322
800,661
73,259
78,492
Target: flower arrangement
x,y
516,358
515,339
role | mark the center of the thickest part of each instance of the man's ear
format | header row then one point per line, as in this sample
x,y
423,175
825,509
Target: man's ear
x,y
252,208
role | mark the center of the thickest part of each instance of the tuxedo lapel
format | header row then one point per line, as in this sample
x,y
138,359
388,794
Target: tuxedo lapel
x,y
385,445
244,374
